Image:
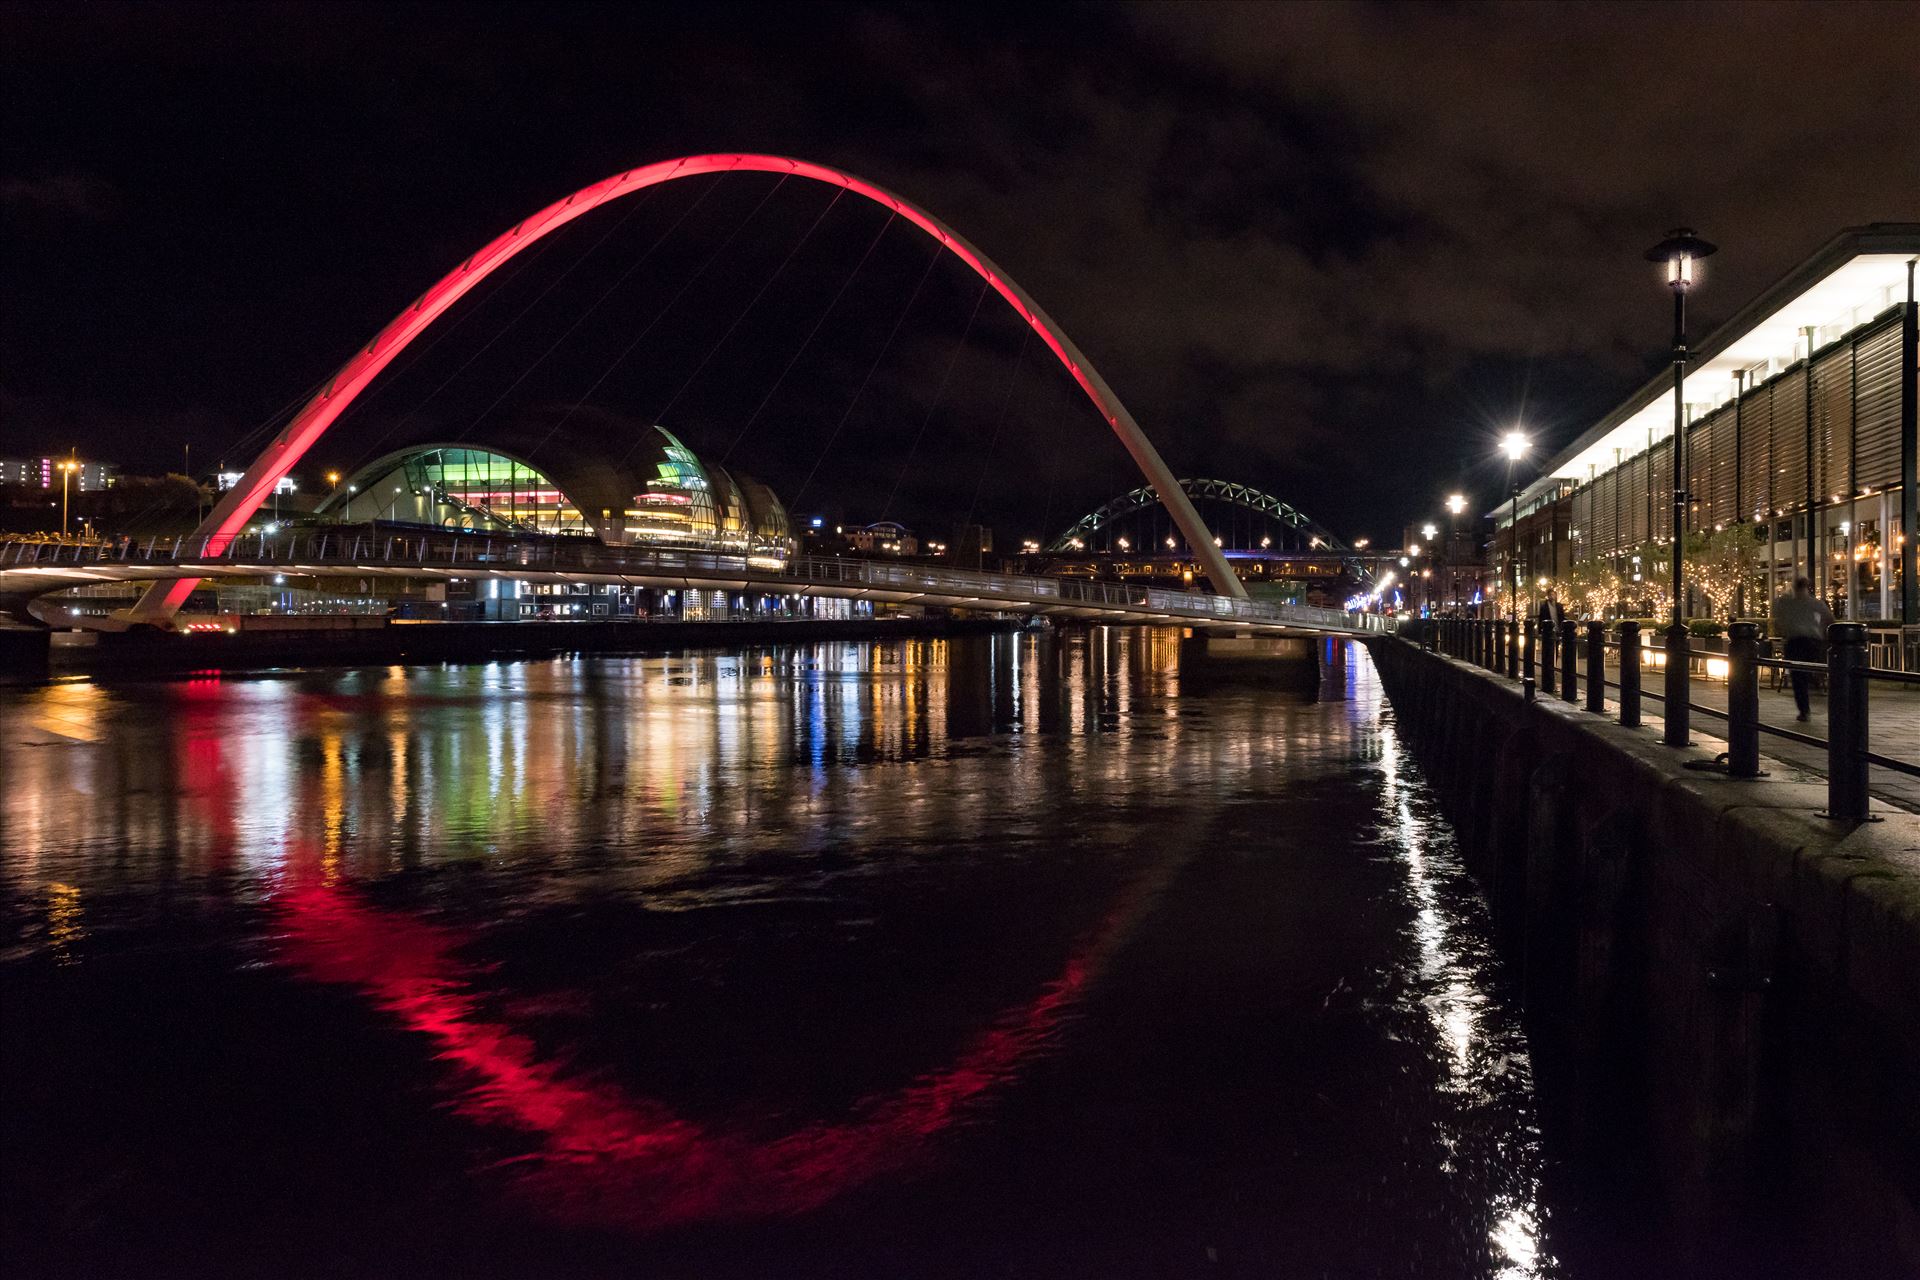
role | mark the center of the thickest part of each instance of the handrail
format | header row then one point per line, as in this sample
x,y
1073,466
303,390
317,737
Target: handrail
x,y
1850,680
371,548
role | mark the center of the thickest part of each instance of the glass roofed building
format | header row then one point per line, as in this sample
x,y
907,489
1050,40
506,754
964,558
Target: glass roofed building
x,y
1800,458
562,479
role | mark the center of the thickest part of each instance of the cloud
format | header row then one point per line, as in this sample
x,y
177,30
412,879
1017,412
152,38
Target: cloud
x,y
1300,236
61,195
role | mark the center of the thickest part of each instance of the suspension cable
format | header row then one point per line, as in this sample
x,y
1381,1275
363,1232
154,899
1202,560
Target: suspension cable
x,y
368,450
939,392
999,419
661,414
859,391
806,342
594,306
660,315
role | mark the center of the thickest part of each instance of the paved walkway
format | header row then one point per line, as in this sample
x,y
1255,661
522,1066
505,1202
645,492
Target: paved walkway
x,y
1893,725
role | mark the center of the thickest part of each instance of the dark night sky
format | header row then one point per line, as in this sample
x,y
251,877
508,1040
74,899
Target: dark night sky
x,y
1328,251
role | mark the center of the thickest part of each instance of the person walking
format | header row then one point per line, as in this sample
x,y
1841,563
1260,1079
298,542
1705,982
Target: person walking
x,y
1801,619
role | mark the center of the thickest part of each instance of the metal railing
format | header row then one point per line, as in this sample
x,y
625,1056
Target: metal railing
x,y
1561,652
375,550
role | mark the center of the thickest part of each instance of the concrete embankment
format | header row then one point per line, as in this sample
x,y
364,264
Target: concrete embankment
x,y
1722,987
138,652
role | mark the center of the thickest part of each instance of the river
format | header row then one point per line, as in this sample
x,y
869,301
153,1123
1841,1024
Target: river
x,y
1009,955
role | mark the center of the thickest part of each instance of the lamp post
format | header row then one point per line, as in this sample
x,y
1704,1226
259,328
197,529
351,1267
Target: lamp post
x,y
1515,445
1456,507
67,469
1681,250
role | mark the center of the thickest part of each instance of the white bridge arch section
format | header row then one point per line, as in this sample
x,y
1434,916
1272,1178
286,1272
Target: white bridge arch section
x,y
232,512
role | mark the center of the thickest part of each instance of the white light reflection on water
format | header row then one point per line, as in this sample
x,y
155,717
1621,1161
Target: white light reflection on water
x,y
1485,1065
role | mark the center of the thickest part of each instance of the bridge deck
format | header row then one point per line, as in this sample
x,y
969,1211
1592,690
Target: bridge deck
x,y
31,569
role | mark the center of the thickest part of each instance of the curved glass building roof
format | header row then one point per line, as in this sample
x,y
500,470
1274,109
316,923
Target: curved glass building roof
x,y
658,494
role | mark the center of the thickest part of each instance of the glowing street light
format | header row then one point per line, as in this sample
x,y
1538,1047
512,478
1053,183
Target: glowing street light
x,y
1515,445
67,469
1456,504
1681,250
1429,531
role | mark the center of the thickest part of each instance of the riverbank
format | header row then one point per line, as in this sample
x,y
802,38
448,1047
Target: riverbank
x,y
151,652
1719,981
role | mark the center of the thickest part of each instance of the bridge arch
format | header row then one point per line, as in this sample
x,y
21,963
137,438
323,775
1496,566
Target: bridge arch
x,y
1245,497
232,512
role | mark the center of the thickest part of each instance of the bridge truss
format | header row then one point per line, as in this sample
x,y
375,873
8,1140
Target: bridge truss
x,y
1246,497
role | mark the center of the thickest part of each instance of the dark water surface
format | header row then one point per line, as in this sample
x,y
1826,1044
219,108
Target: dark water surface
x,y
1007,956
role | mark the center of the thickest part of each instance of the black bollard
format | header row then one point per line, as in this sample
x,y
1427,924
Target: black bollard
x,y
1526,650
1597,667
1549,657
1630,674
1570,661
1743,701
1678,688
1847,722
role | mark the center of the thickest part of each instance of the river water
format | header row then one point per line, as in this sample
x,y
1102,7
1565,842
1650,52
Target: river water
x,y
986,957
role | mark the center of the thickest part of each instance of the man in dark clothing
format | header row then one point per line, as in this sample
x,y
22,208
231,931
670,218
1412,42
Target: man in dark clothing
x,y
1801,620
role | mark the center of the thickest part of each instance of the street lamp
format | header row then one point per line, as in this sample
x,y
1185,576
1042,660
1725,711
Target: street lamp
x,y
1456,506
1515,445
1681,251
67,468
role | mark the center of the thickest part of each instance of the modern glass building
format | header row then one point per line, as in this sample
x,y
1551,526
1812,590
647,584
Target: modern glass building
x,y
1800,452
656,492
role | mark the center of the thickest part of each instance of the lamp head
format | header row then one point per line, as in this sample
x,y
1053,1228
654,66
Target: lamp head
x,y
1680,251
1456,503
1515,445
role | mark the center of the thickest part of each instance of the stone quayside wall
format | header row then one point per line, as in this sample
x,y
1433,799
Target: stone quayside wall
x,y
1723,987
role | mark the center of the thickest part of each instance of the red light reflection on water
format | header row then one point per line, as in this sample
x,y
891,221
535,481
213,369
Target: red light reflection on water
x,y
611,1159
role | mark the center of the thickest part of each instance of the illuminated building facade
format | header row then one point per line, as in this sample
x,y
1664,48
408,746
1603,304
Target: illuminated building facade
x,y
44,473
1800,457
655,492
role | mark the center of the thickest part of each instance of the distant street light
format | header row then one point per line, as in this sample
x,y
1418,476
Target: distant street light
x,y
1515,445
1430,531
67,468
1681,250
1456,506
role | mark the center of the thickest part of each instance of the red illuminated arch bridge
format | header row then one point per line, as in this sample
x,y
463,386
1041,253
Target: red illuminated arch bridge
x,y
233,511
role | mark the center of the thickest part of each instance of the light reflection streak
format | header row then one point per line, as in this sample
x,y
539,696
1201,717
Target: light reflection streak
x,y
64,930
1453,999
